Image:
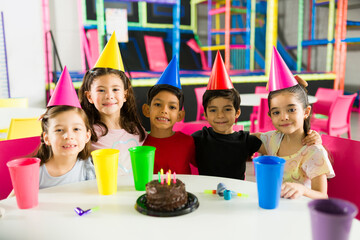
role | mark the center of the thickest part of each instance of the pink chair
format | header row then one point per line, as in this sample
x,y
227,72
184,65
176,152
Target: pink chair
x,y
344,154
156,54
254,114
339,117
190,127
199,92
264,123
325,97
10,150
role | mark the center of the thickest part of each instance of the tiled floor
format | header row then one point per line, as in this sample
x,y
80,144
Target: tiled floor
x,y
355,135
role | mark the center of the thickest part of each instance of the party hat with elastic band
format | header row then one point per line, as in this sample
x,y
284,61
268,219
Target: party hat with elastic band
x,y
280,75
110,56
219,78
170,75
64,93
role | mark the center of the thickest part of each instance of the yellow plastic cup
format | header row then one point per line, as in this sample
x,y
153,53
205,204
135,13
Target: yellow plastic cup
x,y
106,169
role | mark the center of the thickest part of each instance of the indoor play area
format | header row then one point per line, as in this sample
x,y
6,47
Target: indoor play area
x,y
120,116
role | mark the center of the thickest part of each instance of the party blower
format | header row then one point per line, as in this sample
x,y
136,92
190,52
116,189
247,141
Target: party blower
x,y
81,212
223,192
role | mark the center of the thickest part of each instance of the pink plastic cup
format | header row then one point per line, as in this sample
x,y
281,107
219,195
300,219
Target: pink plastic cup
x,y
24,174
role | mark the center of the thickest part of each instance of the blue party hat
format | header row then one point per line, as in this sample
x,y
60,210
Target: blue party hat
x,y
170,75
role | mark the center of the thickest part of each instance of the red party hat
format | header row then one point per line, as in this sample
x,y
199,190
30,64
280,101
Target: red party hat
x,y
280,75
219,78
64,93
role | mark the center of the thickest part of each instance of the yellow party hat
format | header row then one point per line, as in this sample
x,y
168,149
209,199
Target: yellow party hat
x,y
110,56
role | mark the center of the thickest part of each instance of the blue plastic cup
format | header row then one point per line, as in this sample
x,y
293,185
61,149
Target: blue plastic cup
x,y
269,172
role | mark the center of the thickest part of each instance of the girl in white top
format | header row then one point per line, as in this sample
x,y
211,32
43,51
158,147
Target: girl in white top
x,y
307,167
65,147
108,99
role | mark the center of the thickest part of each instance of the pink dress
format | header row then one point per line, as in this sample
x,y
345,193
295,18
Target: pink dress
x,y
121,140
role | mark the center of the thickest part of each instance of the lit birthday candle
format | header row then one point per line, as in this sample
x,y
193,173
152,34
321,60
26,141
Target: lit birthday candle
x,y
159,177
162,178
168,178
174,178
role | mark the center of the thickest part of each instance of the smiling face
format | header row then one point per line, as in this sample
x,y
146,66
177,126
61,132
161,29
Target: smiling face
x,y
108,95
287,113
163,111
66,134
221,115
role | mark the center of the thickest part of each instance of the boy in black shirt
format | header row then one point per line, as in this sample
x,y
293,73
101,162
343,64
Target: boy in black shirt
x,y
220,151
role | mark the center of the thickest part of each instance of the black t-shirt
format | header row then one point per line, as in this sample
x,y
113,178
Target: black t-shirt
x,y
224,155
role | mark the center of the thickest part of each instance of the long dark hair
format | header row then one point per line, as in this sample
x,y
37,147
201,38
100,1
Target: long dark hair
x,y
300,93
129,118
45,152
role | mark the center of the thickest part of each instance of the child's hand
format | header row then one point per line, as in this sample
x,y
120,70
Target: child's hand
x,y
292,190
312,138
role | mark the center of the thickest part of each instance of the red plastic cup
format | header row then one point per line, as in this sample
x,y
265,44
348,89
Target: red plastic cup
x,y
24,174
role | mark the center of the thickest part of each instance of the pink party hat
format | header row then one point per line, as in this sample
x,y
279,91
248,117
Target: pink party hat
x,y
64,93
280,75
219,78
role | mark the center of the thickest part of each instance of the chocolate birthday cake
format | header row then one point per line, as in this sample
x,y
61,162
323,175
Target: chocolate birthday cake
x,y
164,197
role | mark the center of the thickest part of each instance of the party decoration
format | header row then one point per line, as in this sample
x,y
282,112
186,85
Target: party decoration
x,y
81,212
64,93
280,75
227,194
111,56
222,190
219,78
170,75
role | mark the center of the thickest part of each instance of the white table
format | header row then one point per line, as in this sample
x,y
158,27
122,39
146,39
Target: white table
x,y
6,114
253,99
216,218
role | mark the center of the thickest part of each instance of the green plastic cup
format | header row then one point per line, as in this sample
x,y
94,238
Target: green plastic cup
x,y
142,161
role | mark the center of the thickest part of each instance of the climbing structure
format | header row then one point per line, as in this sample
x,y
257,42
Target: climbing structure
x,y
237,35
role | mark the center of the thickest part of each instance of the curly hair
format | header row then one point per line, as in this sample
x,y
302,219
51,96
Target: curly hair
x,y
129,118
45,152
300,93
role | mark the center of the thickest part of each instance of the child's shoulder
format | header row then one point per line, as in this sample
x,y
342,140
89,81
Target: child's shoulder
x,y
182,137
316,149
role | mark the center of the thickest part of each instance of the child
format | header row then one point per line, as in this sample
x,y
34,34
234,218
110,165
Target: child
x,y
65,147
65,139
307,167
174,150
219,150
107,98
